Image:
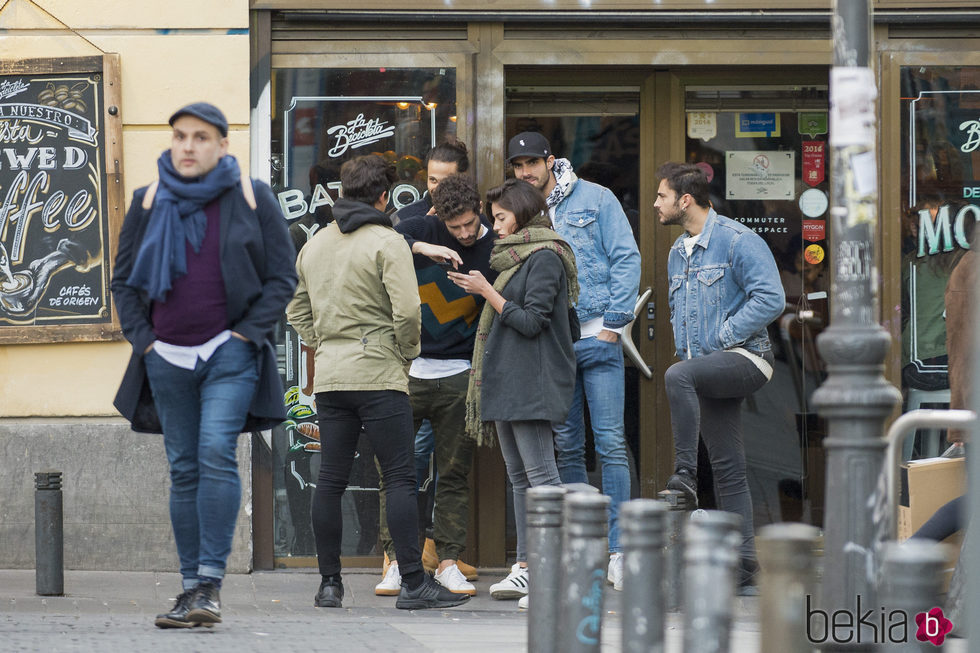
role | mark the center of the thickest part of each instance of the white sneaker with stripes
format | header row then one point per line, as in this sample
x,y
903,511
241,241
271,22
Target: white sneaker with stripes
x,y
513,587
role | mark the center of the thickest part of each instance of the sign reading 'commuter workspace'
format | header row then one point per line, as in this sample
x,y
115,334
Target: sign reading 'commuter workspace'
x,y
54,230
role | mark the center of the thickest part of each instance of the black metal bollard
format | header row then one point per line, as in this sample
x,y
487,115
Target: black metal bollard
x,y
584,556
912,579
710,558
679,511
644,525
787,579
544,519
49,549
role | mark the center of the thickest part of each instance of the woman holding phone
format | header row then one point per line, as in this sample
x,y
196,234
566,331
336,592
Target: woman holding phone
x,y
523,374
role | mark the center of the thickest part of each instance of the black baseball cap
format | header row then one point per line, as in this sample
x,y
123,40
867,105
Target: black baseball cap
x,y
206,112
528,144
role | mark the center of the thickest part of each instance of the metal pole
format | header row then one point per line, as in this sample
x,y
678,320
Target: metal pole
x,y
855,399
644,526
49,548
544,506
912,579
787,582
674,547
710,556
584,556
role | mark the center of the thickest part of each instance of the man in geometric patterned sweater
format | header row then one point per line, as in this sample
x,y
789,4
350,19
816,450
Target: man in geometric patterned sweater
x,y
456,237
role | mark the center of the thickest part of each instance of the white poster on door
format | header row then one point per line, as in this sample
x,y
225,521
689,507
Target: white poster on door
x,y
759,175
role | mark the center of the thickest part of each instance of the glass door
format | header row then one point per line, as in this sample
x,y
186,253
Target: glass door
x,y
764,150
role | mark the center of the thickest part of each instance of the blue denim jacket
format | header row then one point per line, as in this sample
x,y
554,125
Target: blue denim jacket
x,y
726,294
591,219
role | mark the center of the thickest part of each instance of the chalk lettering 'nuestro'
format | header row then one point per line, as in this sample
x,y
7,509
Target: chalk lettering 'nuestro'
x,y
358,133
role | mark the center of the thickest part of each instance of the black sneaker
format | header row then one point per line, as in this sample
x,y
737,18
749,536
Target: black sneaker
x,y
205,606
177,617
429,594
330,595
684,482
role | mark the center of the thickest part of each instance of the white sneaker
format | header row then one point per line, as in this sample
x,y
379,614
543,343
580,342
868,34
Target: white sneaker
x,y
453,580
614,576
513,587
523,603
391,584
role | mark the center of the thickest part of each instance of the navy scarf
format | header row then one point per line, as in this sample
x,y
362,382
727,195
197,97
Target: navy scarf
x,y
178,215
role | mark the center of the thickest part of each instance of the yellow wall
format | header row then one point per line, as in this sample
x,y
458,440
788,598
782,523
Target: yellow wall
x,y
172,53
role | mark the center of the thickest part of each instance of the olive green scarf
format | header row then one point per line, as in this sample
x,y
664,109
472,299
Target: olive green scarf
x,y
509,254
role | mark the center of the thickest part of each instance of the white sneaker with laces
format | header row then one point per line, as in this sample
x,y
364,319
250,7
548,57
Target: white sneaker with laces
x,y
513,587
453,580
391,584
614,575
523,603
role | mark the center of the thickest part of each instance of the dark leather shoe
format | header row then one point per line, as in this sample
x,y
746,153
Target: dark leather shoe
x,y
177,617
330,595
205,607
429,594
684,482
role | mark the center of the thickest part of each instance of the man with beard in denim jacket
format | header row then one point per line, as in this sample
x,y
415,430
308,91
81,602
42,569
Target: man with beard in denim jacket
x,y
724,292
592,220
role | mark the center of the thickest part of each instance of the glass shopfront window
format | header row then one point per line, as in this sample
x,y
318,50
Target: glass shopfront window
x,y
322,118
940,109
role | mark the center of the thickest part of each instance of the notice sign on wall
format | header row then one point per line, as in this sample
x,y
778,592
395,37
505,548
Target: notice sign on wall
x,y
54,226
759,175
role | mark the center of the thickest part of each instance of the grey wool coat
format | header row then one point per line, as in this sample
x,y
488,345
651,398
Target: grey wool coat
x,y
529,359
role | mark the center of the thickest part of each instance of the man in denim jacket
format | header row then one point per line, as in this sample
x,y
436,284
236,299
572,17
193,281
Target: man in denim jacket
x,y
724,292
591,219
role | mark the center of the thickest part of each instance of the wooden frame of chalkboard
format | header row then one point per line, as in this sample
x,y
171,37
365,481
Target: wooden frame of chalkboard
x,y
61,198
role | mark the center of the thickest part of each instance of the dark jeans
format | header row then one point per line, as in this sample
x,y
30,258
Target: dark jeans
x,y
387,419
202,412
705,396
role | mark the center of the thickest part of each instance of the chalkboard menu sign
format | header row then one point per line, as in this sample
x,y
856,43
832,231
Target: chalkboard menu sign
x,y
55,191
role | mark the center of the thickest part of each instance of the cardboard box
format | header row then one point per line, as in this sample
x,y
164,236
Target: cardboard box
x,y
926,485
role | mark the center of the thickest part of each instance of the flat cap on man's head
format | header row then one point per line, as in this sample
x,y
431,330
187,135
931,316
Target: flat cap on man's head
x,y
528,144
206,112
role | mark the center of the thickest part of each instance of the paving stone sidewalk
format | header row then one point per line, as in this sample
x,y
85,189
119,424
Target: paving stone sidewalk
x,y
273,611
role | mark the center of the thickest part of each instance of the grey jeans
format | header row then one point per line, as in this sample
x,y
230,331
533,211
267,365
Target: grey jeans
x,y
529,454
705,396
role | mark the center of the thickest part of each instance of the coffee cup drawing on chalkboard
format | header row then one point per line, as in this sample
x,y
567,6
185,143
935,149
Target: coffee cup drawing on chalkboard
x,y
21,290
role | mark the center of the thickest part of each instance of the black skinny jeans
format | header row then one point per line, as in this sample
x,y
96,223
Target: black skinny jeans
x,y
705,396
387,419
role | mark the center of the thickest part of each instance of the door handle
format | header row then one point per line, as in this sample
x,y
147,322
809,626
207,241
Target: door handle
x,y
628,347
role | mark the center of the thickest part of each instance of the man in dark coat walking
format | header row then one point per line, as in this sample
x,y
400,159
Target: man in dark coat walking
x,y
202,276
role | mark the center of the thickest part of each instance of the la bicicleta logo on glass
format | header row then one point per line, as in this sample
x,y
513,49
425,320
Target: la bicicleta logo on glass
x,y
864,625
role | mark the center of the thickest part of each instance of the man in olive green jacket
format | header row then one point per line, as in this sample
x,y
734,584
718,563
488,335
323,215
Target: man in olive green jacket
x,y
357,304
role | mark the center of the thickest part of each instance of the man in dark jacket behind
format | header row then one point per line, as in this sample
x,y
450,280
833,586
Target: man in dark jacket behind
x,y
357,306
202,276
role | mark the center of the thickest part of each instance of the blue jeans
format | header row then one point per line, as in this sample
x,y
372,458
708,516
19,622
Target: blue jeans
x,y
600,380
425,444
202,412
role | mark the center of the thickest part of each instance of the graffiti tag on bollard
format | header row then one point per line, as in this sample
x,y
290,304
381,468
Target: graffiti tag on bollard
x,y
588,629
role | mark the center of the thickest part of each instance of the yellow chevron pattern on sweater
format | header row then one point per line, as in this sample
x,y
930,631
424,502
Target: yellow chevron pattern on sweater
x,y
464,307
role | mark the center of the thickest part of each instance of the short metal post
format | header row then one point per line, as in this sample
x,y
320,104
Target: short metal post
x,y
787,583
49,549
544,509
912,579
584,556
679,511
710,557
644,528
